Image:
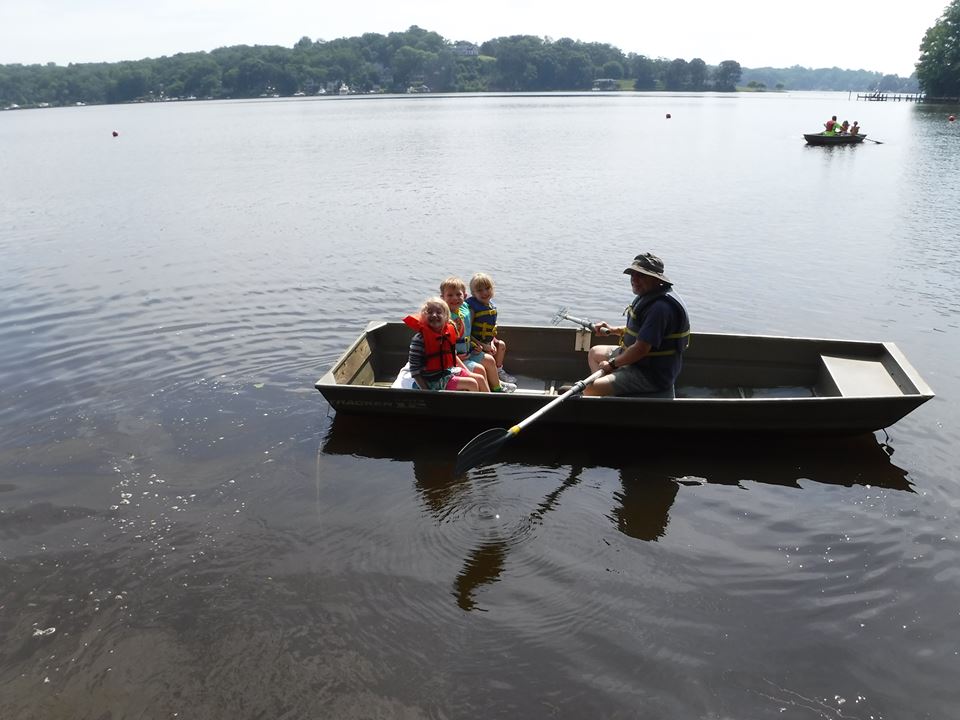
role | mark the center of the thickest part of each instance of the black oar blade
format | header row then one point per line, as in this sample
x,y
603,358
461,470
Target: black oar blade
x,y
483,448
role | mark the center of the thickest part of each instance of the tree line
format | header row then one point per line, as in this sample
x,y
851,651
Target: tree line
x,y
416,58
939,67
801,78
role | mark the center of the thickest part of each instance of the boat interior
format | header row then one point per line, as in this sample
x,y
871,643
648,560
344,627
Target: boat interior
x,y
715,366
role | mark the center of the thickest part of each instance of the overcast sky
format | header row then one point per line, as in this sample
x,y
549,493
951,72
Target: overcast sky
x,y
883,37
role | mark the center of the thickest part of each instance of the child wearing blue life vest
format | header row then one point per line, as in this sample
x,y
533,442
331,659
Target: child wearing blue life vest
x,y
483,330
433,359
454,292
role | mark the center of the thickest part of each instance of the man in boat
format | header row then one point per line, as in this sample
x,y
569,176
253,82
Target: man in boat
x,y
831,126
650,354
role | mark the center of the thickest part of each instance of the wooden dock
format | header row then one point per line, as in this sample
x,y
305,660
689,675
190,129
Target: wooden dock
x,y
891,97
905,97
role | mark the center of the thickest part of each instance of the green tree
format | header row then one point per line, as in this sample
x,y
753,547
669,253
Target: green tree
x,y
410,64
514,55
128,84
202,78
889,83
727,76
578,72
612,69
441,71
698,74
677,76
938,69
549,71
642,70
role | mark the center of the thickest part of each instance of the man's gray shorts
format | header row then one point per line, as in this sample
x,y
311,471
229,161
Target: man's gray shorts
x,y
630,380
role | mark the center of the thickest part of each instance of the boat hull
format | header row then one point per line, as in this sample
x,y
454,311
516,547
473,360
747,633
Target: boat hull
x,y
821,139
729,383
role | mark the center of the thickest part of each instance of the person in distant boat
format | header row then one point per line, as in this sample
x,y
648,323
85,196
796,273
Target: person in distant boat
x,y
454,292
855,128
844,128
831,126
650,354
433,359
483,324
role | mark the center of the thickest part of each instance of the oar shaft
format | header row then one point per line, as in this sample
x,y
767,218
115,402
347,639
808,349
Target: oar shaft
x,y
582,323
579,387
486,445
592,327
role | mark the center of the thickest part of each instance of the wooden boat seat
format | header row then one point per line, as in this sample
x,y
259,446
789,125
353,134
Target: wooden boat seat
x,y
554,387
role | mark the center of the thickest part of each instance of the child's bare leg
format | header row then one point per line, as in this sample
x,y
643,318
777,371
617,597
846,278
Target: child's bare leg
x,y
467,383
481,380
490,368
501,352
479,377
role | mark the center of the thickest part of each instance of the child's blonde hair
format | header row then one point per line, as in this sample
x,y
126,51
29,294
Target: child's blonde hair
x,y
480,281
438,302
453,282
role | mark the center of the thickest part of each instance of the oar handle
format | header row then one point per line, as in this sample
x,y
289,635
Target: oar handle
x,y
578,387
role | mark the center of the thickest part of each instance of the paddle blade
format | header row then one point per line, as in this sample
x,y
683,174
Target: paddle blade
x,y
483,448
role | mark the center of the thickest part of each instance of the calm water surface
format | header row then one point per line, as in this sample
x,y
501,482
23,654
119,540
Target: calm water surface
x,y
186,530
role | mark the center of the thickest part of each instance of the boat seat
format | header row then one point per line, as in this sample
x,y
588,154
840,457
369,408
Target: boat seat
x,y
859,377
668,394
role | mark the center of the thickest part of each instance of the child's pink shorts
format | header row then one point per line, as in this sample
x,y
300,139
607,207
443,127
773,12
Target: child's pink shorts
x,y
453,380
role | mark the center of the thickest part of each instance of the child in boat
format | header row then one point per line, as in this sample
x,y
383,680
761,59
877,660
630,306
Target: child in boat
x,y
454,292
483,328
434,364
845,128
855,128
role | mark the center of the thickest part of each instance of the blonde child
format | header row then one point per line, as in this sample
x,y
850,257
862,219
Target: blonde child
x,y
434,364
483,330
454,292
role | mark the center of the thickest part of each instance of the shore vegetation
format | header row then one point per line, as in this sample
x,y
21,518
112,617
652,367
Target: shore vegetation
x,y
414,60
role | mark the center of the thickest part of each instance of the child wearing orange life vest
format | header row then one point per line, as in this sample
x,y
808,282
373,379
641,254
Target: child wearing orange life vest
x,y
483,328
434,364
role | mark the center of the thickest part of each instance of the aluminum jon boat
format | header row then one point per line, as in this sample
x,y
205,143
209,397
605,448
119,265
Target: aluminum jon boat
x,y
742,383
822,139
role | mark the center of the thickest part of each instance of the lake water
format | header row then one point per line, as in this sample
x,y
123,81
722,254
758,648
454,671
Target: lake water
x,y
187,530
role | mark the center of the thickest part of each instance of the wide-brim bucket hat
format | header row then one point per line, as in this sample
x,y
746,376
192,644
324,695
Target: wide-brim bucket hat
x,y
648,264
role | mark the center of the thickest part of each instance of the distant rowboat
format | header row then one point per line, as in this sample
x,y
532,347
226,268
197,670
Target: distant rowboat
x,y
822,139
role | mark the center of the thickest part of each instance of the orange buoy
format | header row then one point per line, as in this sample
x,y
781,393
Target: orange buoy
x,y
116,134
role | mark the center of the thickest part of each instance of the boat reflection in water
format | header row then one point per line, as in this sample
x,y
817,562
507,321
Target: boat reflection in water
x,y
651,470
